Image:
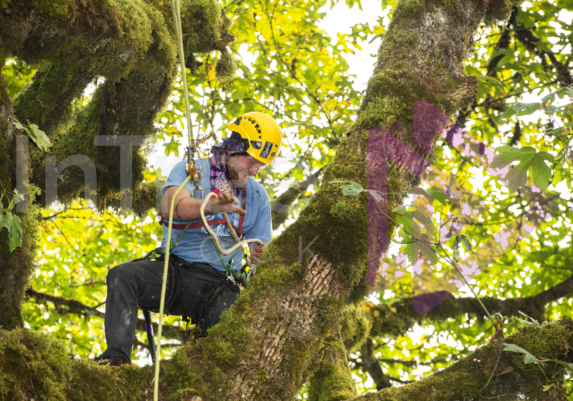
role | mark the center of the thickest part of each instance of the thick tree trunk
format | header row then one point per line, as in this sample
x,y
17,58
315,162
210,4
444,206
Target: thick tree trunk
x,y
15,267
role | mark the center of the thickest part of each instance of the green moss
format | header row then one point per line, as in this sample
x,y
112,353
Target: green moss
x,y
467,377
355,327
54,8
342,211
205,23
48,99
17,266
33,357
333,379
344,244
499,11
226,67
4,3
408,10
34,366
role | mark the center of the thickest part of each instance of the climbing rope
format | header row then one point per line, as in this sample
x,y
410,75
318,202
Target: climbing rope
x,y
176,10
195,175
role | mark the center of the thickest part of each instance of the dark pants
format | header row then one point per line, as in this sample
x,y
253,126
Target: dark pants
x,y
139,283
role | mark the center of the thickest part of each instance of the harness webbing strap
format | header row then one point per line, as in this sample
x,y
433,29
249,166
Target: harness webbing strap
x,y
199,224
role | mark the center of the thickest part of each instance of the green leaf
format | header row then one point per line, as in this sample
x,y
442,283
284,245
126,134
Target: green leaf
x,y
15,234
17,198
515,348
171,147
529,159
353,189
39,137
406,221
401,209
421,191
540,172
466,244
7,222
464,241
533,321
19,125
515,179
520,109
437,195
567,366
529,359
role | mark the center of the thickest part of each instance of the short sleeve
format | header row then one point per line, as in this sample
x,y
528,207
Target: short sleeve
x,y
176,177
262,228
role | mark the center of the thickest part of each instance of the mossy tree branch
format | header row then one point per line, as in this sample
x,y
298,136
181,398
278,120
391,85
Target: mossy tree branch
x,y
396,319
281,205
332,381
464,379
15,267
369,321
65,306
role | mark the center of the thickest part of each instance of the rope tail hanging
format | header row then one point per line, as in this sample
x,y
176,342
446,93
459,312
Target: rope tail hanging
x,y
194,174
176,10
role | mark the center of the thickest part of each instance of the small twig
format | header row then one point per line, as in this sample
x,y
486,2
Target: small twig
x,y
492,372
453,262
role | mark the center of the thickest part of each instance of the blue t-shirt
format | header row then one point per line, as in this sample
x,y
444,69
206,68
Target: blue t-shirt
x,y
196,245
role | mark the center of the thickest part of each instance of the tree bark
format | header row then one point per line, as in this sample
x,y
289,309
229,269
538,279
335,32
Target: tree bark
x,y
281,205
466,379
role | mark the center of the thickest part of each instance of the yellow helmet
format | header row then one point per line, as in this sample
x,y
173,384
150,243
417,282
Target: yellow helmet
x,y
261,135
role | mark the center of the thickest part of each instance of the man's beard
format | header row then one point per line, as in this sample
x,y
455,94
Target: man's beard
x,y
235,177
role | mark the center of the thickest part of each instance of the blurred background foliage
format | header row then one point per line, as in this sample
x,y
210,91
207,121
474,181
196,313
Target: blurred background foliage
x,y
290,68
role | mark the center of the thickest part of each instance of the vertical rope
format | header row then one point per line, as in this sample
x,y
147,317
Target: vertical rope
x,y
176,10
163,287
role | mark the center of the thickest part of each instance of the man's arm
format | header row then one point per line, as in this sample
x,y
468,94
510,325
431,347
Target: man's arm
x,y
188,208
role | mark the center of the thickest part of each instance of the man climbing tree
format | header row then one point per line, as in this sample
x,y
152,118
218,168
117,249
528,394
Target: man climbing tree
x,y
201,283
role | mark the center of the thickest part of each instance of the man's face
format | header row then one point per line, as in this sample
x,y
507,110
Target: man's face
x,y
241,168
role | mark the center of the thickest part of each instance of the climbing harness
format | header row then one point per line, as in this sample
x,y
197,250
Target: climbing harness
x,y
193,173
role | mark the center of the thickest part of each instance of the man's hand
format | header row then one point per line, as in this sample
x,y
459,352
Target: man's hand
x,y
224,202
257,251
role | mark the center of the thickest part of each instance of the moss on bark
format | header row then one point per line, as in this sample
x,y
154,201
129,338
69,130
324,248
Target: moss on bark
x,y
16,266
125,108
47,99
465,379
34,366
332,381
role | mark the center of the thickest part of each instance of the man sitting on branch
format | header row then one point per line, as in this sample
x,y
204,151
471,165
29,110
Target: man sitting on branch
x,y
199,283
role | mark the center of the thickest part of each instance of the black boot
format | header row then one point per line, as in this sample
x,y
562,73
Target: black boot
x,y
118,361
